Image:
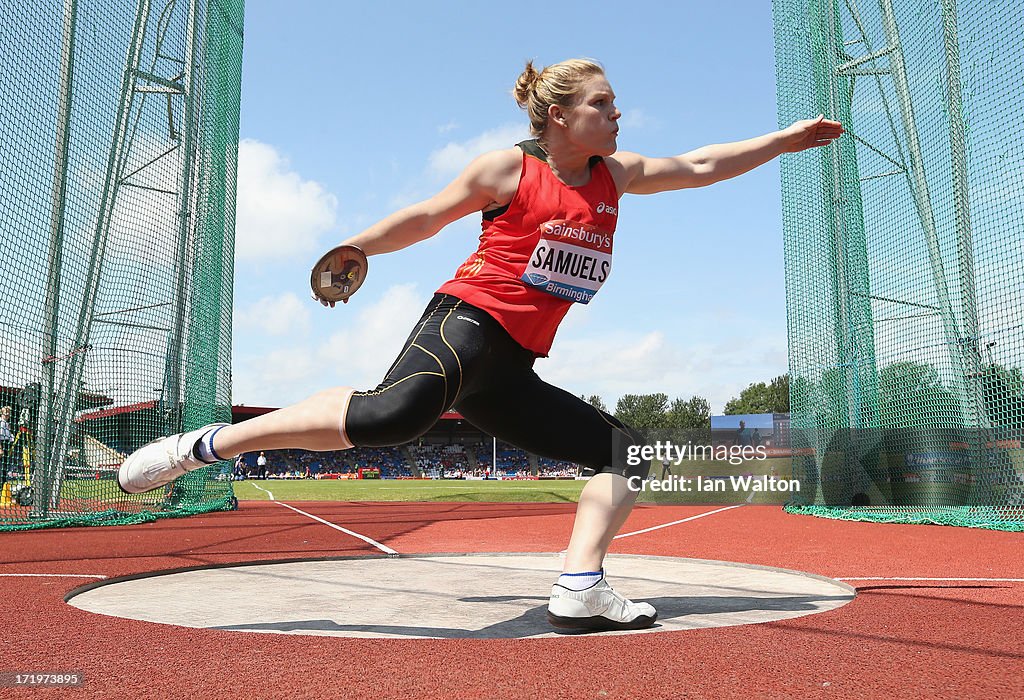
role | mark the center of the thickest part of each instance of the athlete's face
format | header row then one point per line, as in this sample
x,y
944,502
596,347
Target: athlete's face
x,y
593,122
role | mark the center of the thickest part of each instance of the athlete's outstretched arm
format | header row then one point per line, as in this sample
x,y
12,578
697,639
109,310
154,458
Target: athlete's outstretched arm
x,y
637,174
474,189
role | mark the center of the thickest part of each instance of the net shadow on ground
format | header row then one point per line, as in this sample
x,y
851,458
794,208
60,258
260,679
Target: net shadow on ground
x,y
534,622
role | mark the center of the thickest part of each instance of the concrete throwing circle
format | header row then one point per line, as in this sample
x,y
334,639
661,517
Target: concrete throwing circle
x,y
482,596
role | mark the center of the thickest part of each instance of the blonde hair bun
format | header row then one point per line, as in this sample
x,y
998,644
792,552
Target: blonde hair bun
x,y
558,84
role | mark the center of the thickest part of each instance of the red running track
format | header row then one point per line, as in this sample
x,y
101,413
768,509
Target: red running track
x,y
897,639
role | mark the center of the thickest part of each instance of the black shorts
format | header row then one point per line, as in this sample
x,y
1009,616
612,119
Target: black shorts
x,y
459,357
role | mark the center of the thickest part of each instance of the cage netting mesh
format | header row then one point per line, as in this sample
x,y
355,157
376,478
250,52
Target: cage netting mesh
x,y
904,245
119,138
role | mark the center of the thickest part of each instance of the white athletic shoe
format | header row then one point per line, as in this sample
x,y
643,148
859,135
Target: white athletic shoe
x,y
161,461
597,608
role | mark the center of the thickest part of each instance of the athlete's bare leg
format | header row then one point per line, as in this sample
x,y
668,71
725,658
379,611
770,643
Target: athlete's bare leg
x,y
605,503
313,424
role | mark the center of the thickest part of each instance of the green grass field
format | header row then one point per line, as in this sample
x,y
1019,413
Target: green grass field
x,y
545,491
412,490
89,494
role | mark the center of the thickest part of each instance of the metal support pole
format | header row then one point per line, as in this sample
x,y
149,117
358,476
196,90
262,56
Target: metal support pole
x,y
961,190
979,424
67,397
45,427
186,217
922,200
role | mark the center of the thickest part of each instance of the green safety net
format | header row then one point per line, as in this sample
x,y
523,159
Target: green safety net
x,y
119,137
904,245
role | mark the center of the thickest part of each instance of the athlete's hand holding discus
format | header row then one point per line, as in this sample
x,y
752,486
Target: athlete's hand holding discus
x,y
338,274
489,181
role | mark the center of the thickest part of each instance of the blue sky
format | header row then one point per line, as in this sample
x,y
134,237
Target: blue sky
x,y
351,110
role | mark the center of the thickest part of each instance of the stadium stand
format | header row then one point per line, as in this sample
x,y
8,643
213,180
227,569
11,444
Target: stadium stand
x,y
453,449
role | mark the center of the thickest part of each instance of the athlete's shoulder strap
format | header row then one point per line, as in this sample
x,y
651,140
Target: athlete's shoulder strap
x,y
533,148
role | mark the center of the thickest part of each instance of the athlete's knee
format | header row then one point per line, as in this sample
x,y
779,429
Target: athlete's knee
x,y
628,460
377,420
335,398
626,456
334,402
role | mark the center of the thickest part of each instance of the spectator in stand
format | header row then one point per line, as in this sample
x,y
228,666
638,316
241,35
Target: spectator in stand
x,y
7,460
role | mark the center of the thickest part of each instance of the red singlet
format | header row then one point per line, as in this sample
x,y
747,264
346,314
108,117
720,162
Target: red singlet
x,y
551,246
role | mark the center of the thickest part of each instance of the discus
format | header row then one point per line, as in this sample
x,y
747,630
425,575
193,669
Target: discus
x,y
338,274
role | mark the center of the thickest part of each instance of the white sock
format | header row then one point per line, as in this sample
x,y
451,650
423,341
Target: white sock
x,y
581,581
203,449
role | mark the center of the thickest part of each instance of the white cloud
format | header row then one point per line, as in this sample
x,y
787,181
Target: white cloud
x,y
367,347
279,316
622,362
450,126
455,156
358,355
451,159
279,213
276,378
586,359
612,365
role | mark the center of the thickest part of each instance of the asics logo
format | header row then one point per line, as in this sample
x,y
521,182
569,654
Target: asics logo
x,y
603,208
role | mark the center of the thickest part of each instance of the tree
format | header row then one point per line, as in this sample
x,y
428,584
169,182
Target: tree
x,y
778,391
690,420
761,398
680,421
644,412
1003,394
595,401
912,394
805,396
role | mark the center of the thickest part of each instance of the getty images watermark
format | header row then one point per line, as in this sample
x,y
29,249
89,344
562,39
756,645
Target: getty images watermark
x,y
668,453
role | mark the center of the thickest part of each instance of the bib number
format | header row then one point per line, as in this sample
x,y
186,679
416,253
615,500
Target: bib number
x,y
571,260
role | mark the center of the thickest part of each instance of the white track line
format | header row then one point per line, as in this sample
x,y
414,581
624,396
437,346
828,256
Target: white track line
x,y
676,522
264,491
382,547
60,575
923,578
